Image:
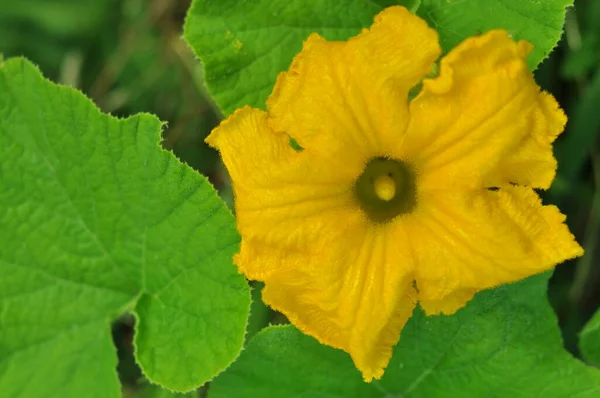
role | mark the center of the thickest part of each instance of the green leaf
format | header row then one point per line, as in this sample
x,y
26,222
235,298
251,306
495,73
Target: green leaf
x,y
244,45
154,391
260,314
95,220
589,340
539,22
504,343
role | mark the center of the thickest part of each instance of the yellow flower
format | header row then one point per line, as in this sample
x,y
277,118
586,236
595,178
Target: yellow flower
x,y
393,201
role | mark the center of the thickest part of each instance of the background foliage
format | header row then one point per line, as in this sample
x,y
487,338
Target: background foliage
x,y
128,56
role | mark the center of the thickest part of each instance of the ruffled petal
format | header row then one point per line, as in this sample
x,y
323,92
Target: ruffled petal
x,y
282,196
355,295
348,99
483,121
468,241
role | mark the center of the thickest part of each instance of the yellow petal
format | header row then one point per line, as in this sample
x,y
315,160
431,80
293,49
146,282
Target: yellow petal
x,y
355,295
468,241
349,99
449,304
483,121
282,196
260,255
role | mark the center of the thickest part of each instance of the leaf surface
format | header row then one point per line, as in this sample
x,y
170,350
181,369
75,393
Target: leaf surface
x,y
590,340
96,220
504,343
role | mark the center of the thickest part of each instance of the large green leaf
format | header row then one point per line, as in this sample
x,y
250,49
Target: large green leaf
x,y
504,343
245,44
95,220
590,340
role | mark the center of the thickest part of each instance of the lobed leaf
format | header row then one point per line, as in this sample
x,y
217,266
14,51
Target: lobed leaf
x,y
96,220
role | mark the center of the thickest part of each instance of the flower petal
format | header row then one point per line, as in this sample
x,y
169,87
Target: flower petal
x,y
356,295
349,99
483,121
282,196
449,304
466,242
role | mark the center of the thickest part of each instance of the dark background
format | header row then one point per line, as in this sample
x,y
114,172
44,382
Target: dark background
x,y
129,57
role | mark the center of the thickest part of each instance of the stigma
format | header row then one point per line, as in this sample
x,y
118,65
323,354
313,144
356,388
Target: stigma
x,y
385,187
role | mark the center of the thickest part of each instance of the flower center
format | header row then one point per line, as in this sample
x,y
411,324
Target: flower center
x,y
386,189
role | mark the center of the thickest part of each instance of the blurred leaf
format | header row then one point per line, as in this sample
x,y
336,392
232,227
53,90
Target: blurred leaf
x,y
504,343
589,340
583,126
96,219
584,59
244,45
582,34
58,17
46,30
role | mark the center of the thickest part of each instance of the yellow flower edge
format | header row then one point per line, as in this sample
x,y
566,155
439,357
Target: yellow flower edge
x,y
393,202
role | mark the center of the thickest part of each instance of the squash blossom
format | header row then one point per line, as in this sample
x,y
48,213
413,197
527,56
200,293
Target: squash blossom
x,y
391,202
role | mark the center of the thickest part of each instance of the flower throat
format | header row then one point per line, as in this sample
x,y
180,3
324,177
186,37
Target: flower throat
x,y
386,189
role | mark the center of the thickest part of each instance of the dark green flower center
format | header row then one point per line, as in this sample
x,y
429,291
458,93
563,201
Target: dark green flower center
x,y
386,189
